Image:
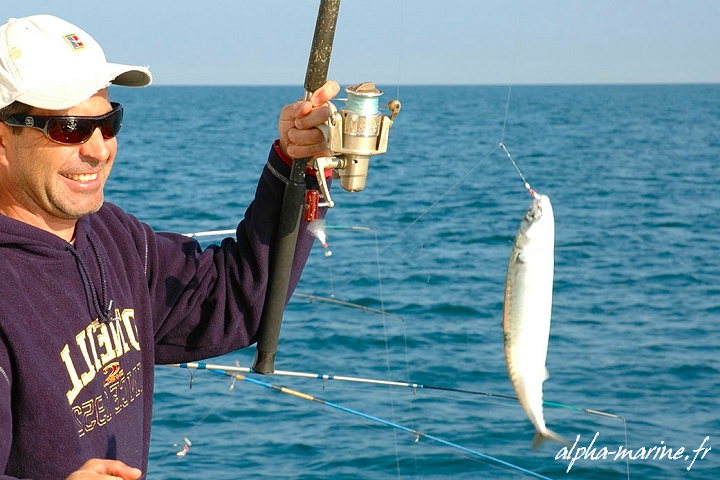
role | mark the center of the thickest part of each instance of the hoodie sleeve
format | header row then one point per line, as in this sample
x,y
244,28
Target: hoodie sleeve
x,y
6,426
207,303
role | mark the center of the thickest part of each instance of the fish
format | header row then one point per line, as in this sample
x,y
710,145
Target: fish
x,y
527,309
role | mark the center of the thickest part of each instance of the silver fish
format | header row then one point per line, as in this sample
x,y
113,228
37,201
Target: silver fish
x,y
526,311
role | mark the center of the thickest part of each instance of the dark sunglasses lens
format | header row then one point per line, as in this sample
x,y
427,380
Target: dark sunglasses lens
x,y
110,126
69,130
73,130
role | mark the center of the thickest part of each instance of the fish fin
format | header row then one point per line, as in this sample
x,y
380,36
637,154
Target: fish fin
x,y
547,374
541,438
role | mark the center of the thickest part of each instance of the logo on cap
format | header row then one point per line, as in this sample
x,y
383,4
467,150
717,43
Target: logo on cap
x,y
74,42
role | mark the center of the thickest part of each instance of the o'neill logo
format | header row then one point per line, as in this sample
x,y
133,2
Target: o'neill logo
x,y
113,373
74,41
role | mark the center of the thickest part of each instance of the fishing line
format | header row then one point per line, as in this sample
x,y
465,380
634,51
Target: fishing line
x,y
385,314
318,229
428,209
627,460
501,144
512,69
517,169
400,32
186,443
505,117
387,350
319,232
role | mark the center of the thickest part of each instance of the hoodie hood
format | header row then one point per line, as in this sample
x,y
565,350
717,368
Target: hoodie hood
x,y
47,251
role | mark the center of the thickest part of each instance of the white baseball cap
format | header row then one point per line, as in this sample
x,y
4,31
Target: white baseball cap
x,y
49,63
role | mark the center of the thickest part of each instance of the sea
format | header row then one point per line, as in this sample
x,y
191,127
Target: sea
x,y
410,287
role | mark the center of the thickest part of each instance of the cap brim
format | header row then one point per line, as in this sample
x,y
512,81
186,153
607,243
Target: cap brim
x,y
130,75
71,92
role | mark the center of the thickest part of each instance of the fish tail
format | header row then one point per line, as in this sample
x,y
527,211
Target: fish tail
x,y
547,434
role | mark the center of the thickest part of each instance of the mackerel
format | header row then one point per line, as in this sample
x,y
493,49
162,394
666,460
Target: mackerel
x,y
527,310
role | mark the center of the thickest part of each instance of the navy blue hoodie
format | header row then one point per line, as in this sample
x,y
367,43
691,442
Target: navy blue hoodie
x,y
82,326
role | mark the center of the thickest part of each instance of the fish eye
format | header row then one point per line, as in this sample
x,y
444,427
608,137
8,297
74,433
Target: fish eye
x,y
534,214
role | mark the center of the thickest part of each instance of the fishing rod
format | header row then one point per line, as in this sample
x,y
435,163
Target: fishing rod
x,y
391,383
293,199
231,231
211,233
318,298
353,134
417,434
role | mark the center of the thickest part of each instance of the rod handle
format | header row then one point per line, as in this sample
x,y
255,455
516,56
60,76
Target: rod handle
x,y
321,50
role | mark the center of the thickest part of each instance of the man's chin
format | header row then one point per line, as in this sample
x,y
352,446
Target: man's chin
x,y
76,212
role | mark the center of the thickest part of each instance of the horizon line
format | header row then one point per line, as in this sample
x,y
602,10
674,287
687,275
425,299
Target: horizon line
x,y
529,84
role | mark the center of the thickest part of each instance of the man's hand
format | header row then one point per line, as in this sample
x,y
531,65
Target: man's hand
x,y
98,469
298,136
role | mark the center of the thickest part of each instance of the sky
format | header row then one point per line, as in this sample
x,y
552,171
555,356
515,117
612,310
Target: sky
x,y
406,42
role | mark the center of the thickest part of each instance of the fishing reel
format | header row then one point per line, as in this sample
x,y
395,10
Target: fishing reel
x,y
354,134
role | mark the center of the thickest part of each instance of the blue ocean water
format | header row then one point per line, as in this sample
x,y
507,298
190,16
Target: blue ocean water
x,y
633,175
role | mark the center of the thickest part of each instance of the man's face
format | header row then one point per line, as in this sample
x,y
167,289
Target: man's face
x,y
46,183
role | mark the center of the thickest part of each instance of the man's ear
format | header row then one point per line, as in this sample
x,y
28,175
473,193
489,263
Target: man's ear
x,y
5,132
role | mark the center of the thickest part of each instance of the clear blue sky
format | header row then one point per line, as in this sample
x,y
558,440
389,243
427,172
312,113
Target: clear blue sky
x,y
266,42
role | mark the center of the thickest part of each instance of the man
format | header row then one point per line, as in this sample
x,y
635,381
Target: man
x,y
91,298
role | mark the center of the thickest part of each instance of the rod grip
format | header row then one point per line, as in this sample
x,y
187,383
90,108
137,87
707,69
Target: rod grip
x,y
280,268
321,50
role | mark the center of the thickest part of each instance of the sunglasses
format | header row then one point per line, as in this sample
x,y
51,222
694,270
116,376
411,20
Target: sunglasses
x,y
72,130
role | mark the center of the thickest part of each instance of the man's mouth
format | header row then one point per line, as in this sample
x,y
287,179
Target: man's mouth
x,y
81,177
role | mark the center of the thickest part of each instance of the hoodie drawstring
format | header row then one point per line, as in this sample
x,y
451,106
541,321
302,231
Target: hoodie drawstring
x,y
103,307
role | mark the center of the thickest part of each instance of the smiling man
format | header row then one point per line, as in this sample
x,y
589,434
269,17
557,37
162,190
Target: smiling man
x,y
53,175
90,297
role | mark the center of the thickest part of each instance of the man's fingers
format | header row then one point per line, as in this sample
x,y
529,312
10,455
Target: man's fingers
x,y
298,109
308,151
306,136
325,93
317,116
126,472
98,468
299,137
318,99
307,143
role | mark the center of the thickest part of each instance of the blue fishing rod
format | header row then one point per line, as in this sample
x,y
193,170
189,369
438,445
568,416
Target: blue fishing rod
x,y
417,434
